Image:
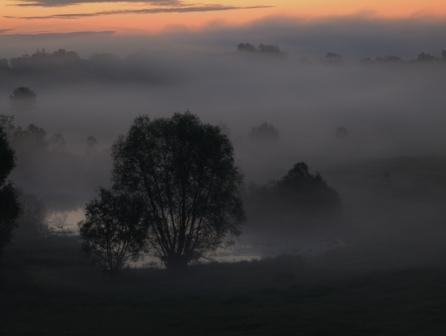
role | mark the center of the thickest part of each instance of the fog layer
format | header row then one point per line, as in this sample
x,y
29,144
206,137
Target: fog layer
x,y
388,168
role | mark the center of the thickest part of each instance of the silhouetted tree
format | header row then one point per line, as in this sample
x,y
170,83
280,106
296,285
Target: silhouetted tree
x,y
333,58
91,143
265,131
342,132
262,49
22,99
269,49
184,172
32,137
23,94
9,207
310,188
294,202
367,60
246,47
114,229
57,141
425,57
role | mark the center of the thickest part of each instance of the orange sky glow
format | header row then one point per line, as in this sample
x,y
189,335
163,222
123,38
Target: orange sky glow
x,y
15,18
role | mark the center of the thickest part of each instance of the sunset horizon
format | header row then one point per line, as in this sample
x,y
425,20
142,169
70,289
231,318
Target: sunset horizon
x,y
155,16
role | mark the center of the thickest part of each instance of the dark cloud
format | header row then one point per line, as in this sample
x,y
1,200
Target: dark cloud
x,y
58,3
175,9
52,36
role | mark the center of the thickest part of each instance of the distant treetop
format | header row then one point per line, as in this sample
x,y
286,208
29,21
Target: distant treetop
x,y
265,131
265,49
23,93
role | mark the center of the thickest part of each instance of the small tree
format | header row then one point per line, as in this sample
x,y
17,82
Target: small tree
x,y
114,229
9,207
333,58
31,138
57,142
184,172
23,93
91,142
299,199
265,132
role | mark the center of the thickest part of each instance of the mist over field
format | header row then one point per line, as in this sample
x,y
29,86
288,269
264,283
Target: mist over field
x,y
359,100
392,111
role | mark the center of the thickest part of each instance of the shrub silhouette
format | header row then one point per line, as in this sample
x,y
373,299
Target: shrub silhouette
x,y
114,229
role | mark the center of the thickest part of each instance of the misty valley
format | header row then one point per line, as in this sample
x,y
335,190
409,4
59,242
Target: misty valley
x,y
244,189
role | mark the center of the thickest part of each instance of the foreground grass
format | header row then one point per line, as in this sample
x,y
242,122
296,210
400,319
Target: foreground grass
x,y
56,292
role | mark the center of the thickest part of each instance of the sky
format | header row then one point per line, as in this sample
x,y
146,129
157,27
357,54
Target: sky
x,y
153,16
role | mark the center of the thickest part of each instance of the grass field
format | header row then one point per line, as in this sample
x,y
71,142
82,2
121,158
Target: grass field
x,y
57,292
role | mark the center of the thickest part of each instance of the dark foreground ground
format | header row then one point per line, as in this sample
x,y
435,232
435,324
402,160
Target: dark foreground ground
x,y
56,292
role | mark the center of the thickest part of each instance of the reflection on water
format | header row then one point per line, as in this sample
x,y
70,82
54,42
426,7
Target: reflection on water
x,y
65,221
223,257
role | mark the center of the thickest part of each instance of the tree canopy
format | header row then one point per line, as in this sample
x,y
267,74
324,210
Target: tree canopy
x,y
183,171
297,200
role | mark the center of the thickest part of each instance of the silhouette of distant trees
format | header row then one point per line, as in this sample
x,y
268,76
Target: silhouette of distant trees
x,y
183,172
9,206
333,58
265,132
67,66
246,47
42,60
422,57
114,229
425,57
262,49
